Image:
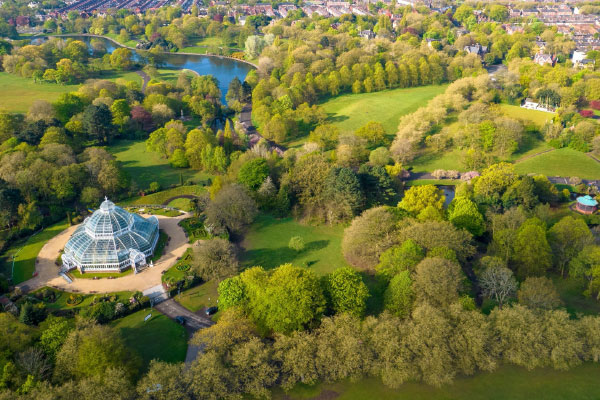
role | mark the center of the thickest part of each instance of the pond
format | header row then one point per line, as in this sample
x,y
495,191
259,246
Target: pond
x,y
224,69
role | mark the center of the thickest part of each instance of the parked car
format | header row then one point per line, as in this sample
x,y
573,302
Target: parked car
x,y
211,310
181,319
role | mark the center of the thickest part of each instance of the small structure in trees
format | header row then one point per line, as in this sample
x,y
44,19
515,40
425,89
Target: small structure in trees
x,y
586,204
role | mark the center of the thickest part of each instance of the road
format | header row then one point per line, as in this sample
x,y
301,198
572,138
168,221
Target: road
x,y
194,322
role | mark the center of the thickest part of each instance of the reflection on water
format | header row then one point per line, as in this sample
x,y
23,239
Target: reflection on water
x,y
224,69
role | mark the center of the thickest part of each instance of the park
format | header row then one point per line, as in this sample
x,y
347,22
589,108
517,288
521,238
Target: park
x,y
298,207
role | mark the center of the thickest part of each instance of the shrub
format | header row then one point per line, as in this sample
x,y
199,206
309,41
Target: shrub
x,y
586,113
154,187
595,104
297,243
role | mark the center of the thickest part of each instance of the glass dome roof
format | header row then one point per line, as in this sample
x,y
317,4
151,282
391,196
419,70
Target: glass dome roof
x,y
109,236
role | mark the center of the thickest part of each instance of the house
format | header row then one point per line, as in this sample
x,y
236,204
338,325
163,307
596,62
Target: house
x,y
544,59
431,41
578,56
532,105
476,49
368,34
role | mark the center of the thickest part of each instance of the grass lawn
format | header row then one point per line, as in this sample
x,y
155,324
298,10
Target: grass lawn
x,y
199,297
159,198
266,244
114,36
145,167
507,382
181,204
571,293
26,252
561,162
19,93
91,275
158,338
449,160
537,117
351,111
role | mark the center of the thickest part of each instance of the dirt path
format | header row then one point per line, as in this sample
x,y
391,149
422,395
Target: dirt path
x,y
47,270
533,155
145,79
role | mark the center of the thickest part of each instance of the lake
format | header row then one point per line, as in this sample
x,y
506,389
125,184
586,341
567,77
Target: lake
x,y
224,69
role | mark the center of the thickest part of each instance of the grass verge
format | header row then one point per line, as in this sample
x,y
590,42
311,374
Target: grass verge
x,y
266,244
561,162
26,252
158,338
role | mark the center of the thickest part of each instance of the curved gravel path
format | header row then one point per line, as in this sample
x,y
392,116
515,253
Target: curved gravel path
x,y
47,270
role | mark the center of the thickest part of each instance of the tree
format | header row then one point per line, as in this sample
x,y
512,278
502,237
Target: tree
x,y
232,209
342,194
347,291
399,295
437,282
498,283
373,132
586,266
433,234
253,173
90,351
291,300
326,135
121,59
532,254
169,379
493,182
97,121
297,243
231,292
400,258
567,238
377,185
32,314
369,235
54,333
417,198
540,293
215,259
463,213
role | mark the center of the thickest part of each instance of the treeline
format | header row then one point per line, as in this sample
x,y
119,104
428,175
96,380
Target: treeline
x,y
468,116
296,73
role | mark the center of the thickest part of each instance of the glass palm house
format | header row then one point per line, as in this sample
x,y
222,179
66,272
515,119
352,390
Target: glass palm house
x,y
111,240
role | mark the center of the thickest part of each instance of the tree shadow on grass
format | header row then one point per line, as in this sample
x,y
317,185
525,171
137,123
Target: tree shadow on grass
x,y
272,258
333,118
377,286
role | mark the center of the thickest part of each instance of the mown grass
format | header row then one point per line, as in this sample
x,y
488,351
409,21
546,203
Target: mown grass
x,y
506,383
449,160
26,252
181,204
537,117
351,111
266,244
199,297
158,338
19,93
159,198
92,275
561,162
145,167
